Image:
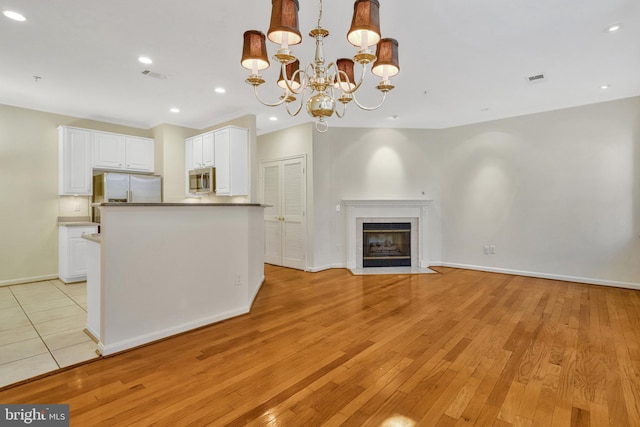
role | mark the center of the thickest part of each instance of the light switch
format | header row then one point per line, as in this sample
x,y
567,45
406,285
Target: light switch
x,y
338,207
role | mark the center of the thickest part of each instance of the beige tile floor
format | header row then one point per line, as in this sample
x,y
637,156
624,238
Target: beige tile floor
x,y
42,329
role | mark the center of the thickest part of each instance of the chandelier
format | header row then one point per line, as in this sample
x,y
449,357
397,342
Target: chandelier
x,y
319,86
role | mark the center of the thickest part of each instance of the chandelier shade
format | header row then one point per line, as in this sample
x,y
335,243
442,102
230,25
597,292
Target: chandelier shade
x,y
283,28
386,64
254,51
292,77
346,82
365,25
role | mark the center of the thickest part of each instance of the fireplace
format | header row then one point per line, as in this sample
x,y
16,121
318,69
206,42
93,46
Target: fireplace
x,y
386,244
359,213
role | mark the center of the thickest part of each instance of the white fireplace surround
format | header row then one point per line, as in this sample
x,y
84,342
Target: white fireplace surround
x,y
414,211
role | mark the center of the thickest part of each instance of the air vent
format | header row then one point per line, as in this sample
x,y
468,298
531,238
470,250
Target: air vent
x,y
536,78
153,74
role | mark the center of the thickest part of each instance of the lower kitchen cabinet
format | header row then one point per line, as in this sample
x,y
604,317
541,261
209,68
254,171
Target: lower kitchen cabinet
x,y
72,252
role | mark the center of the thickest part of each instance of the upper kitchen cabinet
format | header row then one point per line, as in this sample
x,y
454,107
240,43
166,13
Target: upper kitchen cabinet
x,y
203,151
75,154
232,168
113,151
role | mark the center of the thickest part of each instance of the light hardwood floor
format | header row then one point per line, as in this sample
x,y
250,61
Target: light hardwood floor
x,y
458,348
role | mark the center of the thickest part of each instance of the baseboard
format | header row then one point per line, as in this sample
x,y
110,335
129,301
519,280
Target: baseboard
x,y
27,280
127,344
326,267
587,280
255,293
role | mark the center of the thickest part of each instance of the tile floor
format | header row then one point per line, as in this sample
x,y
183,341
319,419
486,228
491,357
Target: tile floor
x,y
42,329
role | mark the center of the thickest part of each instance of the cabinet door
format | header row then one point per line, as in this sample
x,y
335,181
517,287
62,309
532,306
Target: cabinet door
x,y
197,151
108,150
188,163
208,151
139,154
223,167
72,253
74,161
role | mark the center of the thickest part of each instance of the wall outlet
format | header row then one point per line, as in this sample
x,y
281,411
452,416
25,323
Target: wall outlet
x,y
485,250
338,207
492,250
238,280
76,206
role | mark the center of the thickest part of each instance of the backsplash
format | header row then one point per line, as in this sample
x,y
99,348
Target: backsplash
x,y
72,206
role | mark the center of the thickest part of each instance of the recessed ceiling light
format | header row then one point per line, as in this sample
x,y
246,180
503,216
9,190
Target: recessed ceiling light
x,y
220,90
14,15
605,87
145,60
273,118
612,28
175,110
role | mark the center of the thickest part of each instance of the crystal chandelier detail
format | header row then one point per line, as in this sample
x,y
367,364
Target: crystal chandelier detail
x,y
318,85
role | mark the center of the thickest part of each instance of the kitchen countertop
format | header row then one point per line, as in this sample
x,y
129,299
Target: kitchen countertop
x,y
76,221
179,204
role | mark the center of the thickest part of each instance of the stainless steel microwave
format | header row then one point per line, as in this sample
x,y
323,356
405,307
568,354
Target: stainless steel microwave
x,y
202,180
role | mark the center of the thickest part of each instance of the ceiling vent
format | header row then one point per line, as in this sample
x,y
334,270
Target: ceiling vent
x,y
536,78
153,74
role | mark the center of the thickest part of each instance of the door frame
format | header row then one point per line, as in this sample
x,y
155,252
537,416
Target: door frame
x,y
305,230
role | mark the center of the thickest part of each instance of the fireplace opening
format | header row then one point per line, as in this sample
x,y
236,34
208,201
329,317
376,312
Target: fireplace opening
x,y
386,244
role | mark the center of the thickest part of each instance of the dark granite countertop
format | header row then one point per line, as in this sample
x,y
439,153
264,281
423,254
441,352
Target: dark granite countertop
x,y
161,205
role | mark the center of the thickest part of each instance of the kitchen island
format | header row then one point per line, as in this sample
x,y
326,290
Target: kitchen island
x,y
166,268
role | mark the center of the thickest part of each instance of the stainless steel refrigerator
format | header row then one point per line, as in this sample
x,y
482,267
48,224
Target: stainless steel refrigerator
x,y
114,187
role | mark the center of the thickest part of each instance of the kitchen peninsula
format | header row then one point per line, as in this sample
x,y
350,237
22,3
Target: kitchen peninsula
x,y
158,269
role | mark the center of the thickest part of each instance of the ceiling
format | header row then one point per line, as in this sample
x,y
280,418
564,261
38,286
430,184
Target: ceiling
x,y
462,61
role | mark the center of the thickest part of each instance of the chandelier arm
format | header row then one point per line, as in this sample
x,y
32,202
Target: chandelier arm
x,y
384,96
344,111
298,110
282,100
287,82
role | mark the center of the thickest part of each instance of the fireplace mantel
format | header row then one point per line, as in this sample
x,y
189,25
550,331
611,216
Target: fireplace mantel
x,y
359,210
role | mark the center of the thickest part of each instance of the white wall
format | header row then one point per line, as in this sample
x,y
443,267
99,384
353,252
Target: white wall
x,y
373,164
556,193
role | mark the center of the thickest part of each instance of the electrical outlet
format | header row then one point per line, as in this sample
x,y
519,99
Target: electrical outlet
x,y
492,250
338,207
485,250
76,206
238,280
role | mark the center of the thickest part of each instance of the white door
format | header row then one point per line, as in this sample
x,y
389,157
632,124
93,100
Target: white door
x,y
283,187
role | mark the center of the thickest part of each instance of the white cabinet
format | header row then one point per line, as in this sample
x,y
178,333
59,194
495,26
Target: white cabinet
x,y
139,154
232,168
203,151
108,150
74,161
113,151
72,252
199,152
